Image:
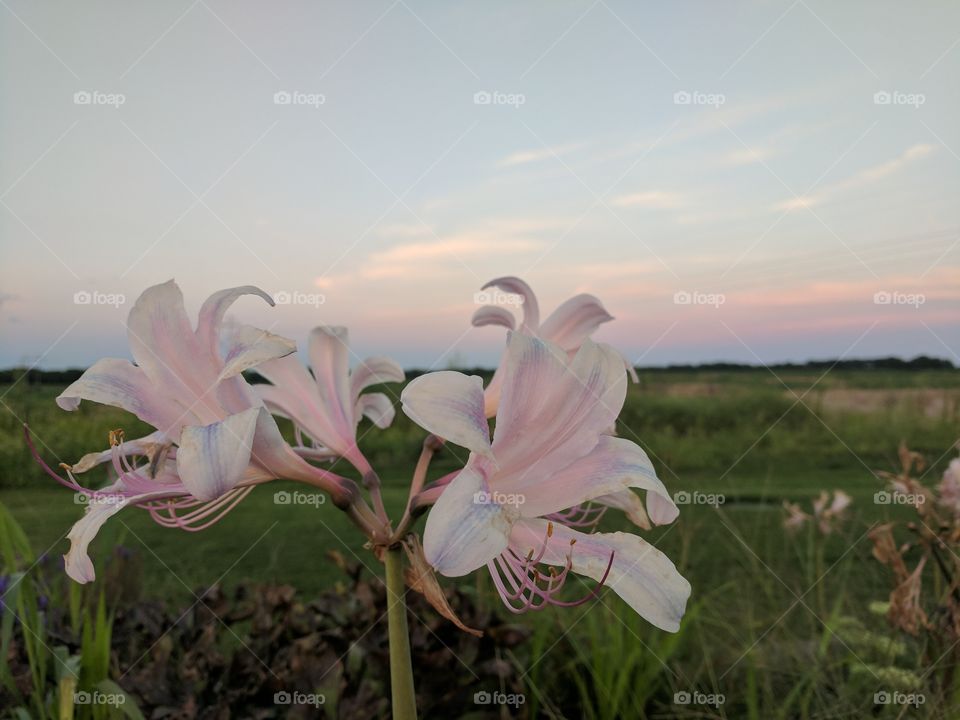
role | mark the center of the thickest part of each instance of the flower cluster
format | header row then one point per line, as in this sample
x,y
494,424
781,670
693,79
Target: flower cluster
x,y
524,505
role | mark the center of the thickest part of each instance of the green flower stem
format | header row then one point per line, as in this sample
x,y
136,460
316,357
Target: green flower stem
x,y
401,669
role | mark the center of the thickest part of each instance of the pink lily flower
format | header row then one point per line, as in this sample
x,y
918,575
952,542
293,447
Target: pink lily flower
x,y
215,440
328,405
568,326
550,453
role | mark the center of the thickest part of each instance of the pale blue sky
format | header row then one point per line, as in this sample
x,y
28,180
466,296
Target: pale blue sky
x,y
784,185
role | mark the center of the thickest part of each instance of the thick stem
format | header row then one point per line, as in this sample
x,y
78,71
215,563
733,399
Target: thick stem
x,y
401,668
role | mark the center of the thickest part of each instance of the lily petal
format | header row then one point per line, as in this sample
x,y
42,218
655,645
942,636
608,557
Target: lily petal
x,y
121,384
615,464
630,503
330,359
516,286
465,528
640,574
450,405
211,459
493,315
251,346
552,413
374,371
574,321
213,310
377,407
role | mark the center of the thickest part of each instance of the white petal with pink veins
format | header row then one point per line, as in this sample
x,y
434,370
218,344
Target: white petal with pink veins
x,y
329,350
251,346
211,459
377,407
121,384
450,405
574,321
640,574
493,315
374,371
613,465
466,528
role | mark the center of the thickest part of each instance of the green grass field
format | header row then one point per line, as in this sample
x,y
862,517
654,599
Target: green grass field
x,y
775,621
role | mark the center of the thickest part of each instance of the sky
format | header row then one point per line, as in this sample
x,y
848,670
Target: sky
x,y
744,181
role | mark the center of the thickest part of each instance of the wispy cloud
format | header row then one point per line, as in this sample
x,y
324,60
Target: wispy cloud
x,y
524,157
652,199
865,177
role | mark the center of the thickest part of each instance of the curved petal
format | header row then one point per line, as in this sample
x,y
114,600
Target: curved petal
x,y
377,407
121,384
450,405
493,315
630,503
640,574
251,346
211,459
574,321
144,446
213,310
164,346
491,394
329,352
374,371
465,528
76,561
516,286
615,464
552,413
